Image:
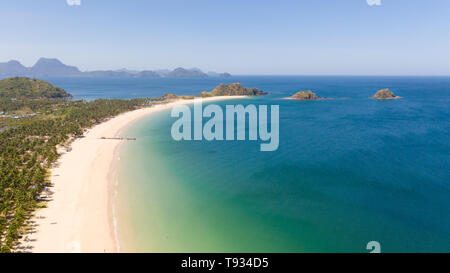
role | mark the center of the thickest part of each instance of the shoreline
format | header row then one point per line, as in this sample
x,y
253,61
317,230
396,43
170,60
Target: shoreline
x,y
80,215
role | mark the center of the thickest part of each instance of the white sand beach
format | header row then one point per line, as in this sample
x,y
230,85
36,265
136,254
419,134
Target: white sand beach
x,y
79,216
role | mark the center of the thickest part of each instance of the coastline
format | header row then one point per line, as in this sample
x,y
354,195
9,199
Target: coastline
x,y
79,216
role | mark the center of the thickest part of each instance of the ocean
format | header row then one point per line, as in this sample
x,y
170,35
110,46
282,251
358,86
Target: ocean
x,y
347,171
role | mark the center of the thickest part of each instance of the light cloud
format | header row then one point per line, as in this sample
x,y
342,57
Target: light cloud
x,y
78,2
373,2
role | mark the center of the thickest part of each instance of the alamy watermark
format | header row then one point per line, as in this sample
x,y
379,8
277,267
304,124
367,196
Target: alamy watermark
x,y
374,247
220,126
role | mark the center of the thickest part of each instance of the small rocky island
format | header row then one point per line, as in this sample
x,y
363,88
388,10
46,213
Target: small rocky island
x,y
305,95
233,89
385,94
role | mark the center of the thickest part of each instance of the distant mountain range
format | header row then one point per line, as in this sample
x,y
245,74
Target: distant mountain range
x,y
45,67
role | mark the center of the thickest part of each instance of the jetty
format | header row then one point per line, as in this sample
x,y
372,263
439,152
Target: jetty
x,y
119,138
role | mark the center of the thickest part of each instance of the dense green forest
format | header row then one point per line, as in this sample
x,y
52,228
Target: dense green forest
x,y
25,88
28,146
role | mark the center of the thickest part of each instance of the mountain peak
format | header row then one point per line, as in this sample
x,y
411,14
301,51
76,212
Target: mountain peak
x,y
14,62
53,67
12,68
180,72
48,61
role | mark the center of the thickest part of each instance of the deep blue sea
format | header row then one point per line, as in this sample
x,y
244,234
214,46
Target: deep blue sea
x,y
347,171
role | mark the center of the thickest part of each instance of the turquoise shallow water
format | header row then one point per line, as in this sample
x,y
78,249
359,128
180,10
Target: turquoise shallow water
x,y
347,171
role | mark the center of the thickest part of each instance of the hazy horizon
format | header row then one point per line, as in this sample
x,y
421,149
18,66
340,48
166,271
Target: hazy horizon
x,y
243,74
320,38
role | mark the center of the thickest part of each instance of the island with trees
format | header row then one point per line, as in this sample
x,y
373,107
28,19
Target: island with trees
x,y
233,89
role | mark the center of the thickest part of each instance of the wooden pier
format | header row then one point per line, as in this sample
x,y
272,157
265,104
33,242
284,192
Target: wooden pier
x,y
119,138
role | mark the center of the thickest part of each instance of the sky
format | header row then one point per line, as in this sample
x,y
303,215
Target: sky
x,y
298,37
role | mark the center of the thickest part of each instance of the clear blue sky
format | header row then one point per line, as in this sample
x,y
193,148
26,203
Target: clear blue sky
x,y
399,37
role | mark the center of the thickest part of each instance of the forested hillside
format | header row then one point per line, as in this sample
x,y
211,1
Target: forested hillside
x,y
26,88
